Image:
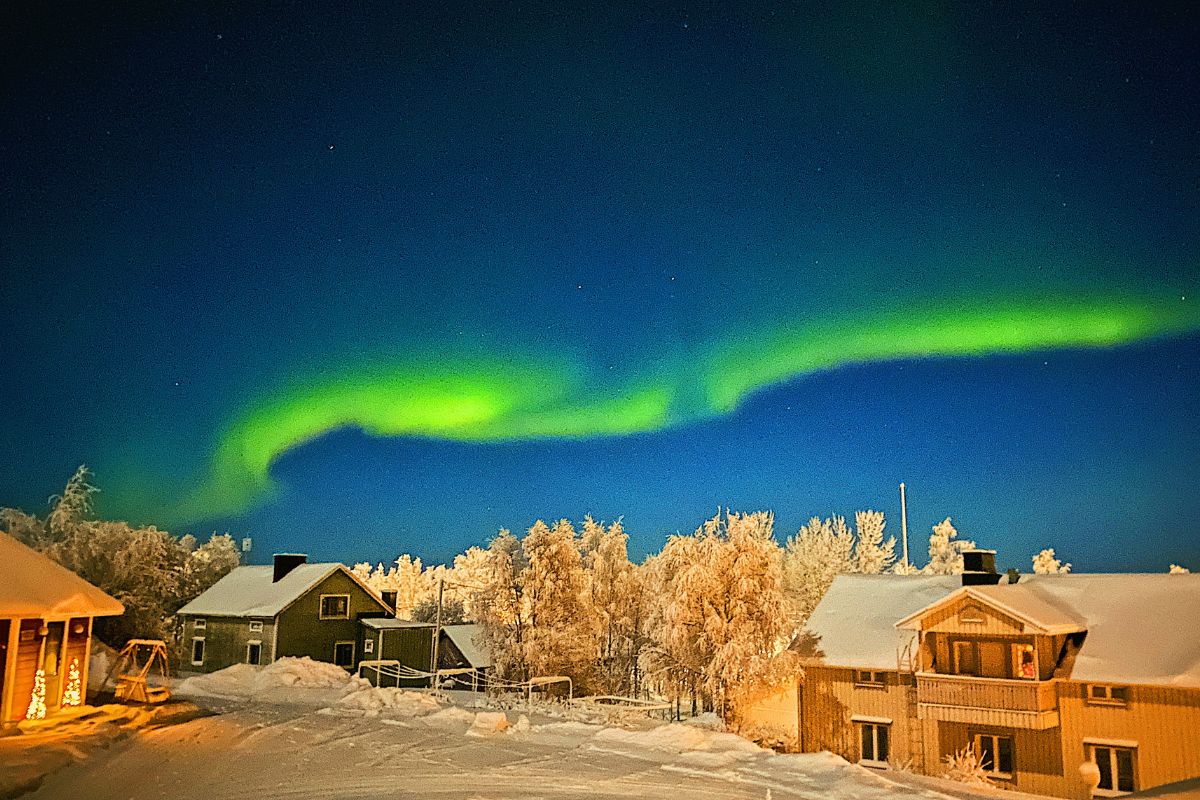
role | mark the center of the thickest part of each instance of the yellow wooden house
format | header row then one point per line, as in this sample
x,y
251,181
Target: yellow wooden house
x,y
46,614
1040,678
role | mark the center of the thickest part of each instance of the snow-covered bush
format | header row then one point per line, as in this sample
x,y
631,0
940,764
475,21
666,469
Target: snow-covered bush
x,y
964,766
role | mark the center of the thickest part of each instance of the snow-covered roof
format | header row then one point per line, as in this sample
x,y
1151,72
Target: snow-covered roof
x,y
1027,603
854,625
1132,622
391,623
463,637
35,586
249,591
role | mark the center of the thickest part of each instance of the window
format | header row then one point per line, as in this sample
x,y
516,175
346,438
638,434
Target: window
x,y
369,646
1102,694
867,677
256,626
1024,662
995,754
335,606
197,650
343,654
200,624
873,738
254,652
1116,769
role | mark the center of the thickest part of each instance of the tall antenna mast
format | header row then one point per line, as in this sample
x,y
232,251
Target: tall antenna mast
x,y
904,526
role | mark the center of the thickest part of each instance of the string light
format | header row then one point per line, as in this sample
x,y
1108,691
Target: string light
x,y
37,702
73,694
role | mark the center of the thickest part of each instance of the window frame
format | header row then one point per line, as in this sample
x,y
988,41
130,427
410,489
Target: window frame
x,y
256,626
203,651
254,643
321,606
199,624
353,651
1107,699
1114,768
994,771
870,678
368,647
875,728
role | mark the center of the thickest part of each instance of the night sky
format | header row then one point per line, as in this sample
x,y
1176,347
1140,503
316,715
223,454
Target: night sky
x,y
385,278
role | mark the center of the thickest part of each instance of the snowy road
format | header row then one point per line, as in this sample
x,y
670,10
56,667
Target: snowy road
x,y
271,752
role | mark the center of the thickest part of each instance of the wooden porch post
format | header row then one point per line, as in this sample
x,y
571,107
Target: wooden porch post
x,y
10,669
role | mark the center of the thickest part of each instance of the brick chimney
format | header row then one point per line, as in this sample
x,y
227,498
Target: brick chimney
x,y
285,563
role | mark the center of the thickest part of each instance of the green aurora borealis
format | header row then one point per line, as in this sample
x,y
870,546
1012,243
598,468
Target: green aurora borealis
x,y
511,400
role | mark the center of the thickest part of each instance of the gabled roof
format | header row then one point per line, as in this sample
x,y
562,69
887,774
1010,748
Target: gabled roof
x,y
463,637
35,586
1024,602
1136,625
854,625
249,591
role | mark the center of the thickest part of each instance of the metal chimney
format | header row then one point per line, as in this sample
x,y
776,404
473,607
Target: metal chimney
x,y
285,563
979,568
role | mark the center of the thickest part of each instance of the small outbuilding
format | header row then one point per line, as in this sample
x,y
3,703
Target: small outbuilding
x,y
462,657
409,643
46,614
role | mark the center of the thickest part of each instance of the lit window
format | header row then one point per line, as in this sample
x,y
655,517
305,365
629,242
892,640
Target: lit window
x,y
1116,769
1024,662
995,754
335,606
874,743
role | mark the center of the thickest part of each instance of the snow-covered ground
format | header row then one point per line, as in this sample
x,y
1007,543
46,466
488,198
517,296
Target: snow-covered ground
x,y
300,730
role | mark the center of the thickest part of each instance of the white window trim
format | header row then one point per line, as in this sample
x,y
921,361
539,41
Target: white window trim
x,y
203,651
256,626
1112,744
368,646
353,652
1108,699
199,624
321,607
875,726
872,683
994,771
254,642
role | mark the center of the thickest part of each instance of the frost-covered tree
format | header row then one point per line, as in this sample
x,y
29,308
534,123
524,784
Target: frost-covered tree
x,y
818,552
1175,569
427,611
718,618
614,594
945,550
561,626
1044,563
501,609
872,555
150,571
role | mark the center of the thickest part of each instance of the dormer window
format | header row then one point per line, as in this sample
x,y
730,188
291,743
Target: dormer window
x,y
1107,695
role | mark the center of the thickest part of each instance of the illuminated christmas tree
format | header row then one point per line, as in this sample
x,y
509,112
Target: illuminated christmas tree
x,y
37,702
73,693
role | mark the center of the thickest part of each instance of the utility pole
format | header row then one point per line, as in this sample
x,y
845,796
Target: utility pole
x,y
904,526
437,635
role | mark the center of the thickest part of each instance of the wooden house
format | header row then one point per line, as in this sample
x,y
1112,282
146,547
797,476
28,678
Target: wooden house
x,y
46,614
462,659
1047,680
389,639
257,614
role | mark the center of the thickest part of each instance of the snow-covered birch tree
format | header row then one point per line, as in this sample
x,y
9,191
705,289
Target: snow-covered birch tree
x,y
1045,563
945,550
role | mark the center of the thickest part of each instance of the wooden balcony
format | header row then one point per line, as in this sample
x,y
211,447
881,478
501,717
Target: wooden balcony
x,y
988,701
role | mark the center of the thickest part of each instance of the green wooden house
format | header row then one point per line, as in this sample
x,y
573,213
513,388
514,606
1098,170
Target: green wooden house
x,y
410,643
257,614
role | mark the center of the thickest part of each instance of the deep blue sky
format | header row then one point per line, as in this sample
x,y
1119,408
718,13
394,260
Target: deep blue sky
x,y
203,208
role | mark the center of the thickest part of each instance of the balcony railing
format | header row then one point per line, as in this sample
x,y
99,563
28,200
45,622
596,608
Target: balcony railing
x,y
966,698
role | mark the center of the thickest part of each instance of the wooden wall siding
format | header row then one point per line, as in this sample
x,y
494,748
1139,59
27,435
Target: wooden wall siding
x,y
1163,721
28,652
987,693
225,640
829,700
946,620
1037,755
303,633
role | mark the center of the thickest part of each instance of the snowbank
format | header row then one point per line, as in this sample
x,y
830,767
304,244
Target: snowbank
x,y
488,723
406,703
244,681
677,738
